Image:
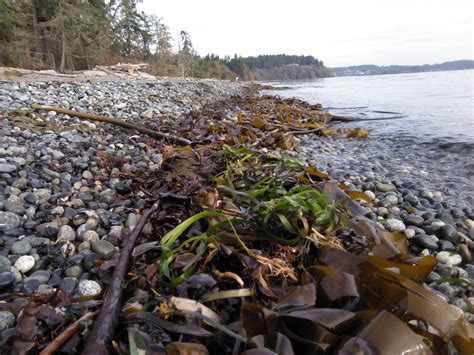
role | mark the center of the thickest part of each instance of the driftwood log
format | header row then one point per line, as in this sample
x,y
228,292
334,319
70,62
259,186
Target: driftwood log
x,y
115,121
100,339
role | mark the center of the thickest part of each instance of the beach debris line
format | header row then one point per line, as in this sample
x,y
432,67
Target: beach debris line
x,y
284,230
252,251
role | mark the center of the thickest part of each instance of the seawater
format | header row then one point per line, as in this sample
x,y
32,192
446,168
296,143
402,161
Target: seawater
x,y
438,106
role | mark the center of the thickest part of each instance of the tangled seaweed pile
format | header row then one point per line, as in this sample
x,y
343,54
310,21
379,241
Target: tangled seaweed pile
x,y
253,252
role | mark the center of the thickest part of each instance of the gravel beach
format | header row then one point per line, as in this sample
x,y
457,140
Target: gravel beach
x,y
58,207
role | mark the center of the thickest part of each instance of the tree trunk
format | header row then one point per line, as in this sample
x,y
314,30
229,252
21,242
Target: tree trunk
x,y
38,43
62,66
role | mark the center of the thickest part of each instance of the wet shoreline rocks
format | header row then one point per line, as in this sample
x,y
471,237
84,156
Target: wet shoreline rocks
x,y
437,220
67,200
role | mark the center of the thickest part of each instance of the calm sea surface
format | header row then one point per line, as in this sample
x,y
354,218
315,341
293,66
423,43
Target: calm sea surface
x,y
439,107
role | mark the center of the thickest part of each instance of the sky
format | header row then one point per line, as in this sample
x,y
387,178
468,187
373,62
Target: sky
x,y
339,32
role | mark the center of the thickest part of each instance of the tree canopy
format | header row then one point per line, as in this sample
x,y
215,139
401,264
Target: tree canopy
x,y
69,35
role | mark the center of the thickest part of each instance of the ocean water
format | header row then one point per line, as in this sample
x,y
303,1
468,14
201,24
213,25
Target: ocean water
x,y
438,107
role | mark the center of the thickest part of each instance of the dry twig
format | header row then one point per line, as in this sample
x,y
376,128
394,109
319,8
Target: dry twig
x,y
67,333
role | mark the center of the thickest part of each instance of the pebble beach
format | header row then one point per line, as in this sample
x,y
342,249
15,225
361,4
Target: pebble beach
x,y
59,211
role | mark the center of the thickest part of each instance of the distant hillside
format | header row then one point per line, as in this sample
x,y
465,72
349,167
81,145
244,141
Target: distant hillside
x,y
277,67
368,69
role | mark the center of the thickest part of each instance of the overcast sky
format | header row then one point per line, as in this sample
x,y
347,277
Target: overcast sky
x,y
339,32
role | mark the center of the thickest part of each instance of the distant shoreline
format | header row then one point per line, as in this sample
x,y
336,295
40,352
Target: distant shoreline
x,y
370,69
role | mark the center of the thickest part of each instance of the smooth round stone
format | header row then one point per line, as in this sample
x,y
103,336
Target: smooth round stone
x,y
445,270
73,271
414,220
413,200
469,223
446,245
409,233
465,253
104,248
44,290
21,247
433,276
7,320
91,236
93,222
426,241
394,225
20,183
88,288
434,227
16,274
67,234
47,230
369,194
30,198
5,264
84,246
390,200
82,230
25,263
7,168
42,276
428,216
68,284
14,208
87,175
384,187
148,229
132,220
382,211
448,258
457,212
30,286
8,221
57,211
448,232
6,280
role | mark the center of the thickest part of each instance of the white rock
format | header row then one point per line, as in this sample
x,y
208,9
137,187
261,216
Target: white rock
x,y
394,225
25,263
89,288
409,233
370,194
16,274
469,223
449,259
7,320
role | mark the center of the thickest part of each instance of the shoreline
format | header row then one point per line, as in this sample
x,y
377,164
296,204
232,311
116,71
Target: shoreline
x,y
50,174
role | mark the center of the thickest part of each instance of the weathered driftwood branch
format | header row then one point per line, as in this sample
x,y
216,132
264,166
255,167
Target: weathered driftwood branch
x,y
100,339
66,334
114,121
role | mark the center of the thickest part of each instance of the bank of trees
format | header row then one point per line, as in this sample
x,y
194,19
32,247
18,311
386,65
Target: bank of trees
x,y
277,67
70,35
